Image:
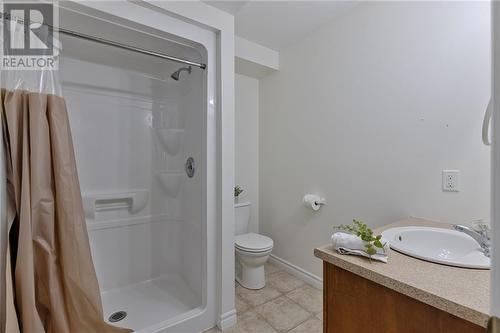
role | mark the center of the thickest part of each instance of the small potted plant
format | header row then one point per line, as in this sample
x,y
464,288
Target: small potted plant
x,y
237,191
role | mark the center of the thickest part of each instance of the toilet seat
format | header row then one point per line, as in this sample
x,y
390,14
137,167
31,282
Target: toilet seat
x,y
252,242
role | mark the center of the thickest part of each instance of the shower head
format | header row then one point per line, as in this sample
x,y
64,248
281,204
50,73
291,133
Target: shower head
x,y
175,75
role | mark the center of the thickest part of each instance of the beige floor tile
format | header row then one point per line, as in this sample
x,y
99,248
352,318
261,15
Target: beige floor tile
x,y
320,316
240,304
313,325
283,314
307,297
257,297
283,281
250,322
270,268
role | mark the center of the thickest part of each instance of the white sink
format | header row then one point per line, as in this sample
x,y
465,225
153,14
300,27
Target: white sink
x,y
443,246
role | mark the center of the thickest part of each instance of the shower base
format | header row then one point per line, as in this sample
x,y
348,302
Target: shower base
x,y
150,303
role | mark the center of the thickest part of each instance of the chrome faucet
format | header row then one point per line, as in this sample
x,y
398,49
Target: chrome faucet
x,y
481,235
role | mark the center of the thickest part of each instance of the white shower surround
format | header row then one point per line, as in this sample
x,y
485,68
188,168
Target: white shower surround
x,y
214,30
146,225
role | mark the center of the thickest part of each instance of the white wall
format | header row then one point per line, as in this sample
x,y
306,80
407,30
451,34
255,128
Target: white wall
x,y
254,60
495,264
368,111
247,143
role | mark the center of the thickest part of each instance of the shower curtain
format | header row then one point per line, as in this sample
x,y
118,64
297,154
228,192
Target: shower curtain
x,y
51,284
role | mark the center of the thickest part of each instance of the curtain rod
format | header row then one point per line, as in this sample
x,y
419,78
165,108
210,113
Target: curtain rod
x,y
116,44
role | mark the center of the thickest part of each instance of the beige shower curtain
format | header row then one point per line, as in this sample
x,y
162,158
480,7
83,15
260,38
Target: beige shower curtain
x,y
54,287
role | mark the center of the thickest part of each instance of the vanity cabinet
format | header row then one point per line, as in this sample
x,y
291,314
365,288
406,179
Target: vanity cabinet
x,y
354,304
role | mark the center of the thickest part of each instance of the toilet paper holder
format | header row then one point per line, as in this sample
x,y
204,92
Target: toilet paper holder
x,y
313,201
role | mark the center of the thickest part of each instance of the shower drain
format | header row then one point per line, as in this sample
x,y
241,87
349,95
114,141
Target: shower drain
x,y
117,316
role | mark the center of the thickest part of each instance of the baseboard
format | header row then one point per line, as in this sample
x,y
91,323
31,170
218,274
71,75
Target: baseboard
x,y
296,271
227,320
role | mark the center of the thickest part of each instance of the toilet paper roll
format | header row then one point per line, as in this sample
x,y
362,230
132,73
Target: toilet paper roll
x,y
313,201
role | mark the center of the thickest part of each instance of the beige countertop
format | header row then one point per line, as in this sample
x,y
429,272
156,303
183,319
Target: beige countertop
x,y
462,292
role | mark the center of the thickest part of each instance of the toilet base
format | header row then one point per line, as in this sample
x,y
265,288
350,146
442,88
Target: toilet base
x,y
250,269
252,278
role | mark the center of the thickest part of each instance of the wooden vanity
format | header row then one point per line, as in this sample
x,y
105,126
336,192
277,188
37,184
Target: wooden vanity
x,y
406,295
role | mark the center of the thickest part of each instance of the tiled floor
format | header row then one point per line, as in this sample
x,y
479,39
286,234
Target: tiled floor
x,y
285,304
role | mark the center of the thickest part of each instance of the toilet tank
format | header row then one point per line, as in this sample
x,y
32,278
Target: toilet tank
x,y
242,214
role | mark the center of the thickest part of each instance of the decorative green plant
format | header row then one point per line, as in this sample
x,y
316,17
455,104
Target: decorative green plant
x,y
361,230
237,191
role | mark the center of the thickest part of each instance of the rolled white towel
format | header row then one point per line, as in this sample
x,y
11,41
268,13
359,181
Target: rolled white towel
x,y
346,243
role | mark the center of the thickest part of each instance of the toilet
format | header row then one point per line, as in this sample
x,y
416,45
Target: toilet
x,y
252,250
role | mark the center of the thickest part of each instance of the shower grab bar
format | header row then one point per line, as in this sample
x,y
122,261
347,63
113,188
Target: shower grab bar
x,y
134,201
111,43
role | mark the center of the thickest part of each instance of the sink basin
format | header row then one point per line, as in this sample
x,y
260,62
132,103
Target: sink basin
x,y
443,246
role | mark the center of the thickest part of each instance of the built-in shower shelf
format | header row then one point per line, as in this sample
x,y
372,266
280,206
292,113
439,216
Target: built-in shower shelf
x,y
134,201
170,139
171,182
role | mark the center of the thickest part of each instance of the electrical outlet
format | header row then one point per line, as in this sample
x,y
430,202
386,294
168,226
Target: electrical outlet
x,y
451,180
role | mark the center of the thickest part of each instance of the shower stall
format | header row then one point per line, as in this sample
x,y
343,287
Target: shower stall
x,y
140,132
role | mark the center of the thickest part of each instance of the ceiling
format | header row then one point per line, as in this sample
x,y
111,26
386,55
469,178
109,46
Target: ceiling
x,y
277,24
231,7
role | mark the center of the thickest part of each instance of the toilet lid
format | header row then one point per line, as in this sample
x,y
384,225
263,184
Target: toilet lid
x,y
253,242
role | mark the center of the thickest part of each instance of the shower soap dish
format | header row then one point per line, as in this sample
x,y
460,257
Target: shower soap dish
x,y
170,139
171,182
134,201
